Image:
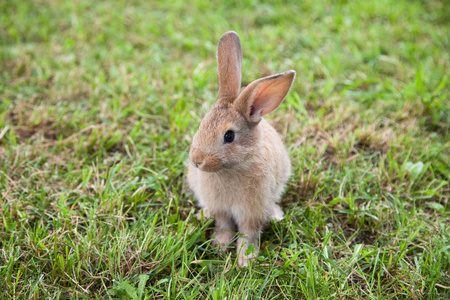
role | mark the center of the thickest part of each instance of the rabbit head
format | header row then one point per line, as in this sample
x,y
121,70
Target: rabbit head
x,y
229,134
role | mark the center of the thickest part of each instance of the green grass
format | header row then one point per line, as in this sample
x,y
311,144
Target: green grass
x,y
99,100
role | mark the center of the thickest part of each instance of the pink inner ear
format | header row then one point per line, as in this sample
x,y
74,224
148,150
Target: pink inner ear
x,y
264,95
257,107
264,98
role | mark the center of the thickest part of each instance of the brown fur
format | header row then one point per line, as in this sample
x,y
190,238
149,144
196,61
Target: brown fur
x,y
229,60
240,183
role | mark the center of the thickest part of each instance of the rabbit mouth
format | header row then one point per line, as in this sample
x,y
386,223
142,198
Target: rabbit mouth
x,y
209,167
205,162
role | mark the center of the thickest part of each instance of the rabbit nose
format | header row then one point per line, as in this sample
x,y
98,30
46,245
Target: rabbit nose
x,y
197,158
197,163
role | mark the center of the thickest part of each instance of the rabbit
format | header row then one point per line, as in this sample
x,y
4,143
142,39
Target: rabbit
x,y
238,165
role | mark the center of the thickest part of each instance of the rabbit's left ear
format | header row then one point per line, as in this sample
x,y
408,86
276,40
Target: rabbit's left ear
x,y
264,95
229,65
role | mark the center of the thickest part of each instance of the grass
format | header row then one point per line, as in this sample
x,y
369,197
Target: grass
x,y
99,101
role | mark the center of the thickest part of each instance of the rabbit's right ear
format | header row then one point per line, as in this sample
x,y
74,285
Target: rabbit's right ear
x,y
264,95
229,65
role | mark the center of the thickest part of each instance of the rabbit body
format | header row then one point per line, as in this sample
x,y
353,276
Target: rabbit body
x,y
250,190
239,166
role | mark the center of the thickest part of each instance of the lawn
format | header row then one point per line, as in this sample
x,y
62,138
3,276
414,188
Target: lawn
x,y
99,102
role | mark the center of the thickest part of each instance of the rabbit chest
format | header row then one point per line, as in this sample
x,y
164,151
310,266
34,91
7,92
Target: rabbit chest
x,y
235,192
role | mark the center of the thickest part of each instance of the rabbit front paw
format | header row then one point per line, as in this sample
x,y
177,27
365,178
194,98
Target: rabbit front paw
x,y
223,238
243,247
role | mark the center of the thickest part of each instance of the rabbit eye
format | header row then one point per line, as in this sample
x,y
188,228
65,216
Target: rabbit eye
x,y
228,137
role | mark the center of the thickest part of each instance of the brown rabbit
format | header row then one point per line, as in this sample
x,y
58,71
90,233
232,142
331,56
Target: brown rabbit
x,y
239,166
